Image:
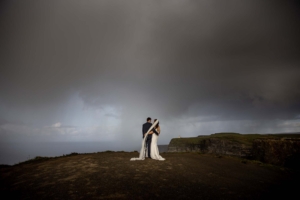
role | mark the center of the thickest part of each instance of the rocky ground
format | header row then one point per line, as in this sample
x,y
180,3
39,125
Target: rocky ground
x,y
110,175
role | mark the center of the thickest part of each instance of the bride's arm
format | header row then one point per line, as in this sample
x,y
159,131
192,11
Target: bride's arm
x,y
158,130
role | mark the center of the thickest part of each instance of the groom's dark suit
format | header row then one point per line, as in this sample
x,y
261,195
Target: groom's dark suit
x,y
146,127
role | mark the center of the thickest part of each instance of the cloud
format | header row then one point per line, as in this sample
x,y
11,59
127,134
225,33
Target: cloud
x,y
56,125
104,66
2,121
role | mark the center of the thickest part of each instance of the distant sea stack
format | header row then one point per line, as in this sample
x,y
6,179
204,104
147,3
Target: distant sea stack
x,y
278,149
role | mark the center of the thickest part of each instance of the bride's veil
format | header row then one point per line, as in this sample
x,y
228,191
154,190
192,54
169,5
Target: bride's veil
x,y
143,149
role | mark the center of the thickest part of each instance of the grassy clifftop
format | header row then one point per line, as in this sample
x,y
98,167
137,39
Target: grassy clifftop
x,y
111,175
245,139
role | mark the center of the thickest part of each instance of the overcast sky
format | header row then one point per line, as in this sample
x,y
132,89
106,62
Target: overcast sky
x,y
94,70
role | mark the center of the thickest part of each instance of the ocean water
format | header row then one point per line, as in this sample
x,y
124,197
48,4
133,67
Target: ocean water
x,y
13,153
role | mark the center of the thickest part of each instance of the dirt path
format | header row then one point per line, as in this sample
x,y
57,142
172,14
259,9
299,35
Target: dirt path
x,y
113,176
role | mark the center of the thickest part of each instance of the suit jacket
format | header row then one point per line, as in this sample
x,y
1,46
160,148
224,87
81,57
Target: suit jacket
x,y
146,127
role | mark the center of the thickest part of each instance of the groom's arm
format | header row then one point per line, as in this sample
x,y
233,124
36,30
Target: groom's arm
x,y
155,131
143,131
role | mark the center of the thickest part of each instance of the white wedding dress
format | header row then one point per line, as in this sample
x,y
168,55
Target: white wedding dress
x,y
154,153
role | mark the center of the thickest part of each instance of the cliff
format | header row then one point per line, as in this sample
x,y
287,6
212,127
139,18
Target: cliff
x,y
284,151
279,149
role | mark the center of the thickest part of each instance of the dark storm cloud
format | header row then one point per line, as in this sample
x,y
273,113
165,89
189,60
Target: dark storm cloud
x,y
3,121
226,60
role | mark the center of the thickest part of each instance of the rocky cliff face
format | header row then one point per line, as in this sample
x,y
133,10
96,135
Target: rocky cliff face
x,y
283,152
214,145
268,149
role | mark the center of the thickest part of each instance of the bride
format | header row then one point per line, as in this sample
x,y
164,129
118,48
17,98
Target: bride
x,y
154,153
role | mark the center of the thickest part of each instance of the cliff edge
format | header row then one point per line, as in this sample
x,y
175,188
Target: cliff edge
x,y
278,149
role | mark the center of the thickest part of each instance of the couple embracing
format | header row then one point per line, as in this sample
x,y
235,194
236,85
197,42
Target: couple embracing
x,y
149,145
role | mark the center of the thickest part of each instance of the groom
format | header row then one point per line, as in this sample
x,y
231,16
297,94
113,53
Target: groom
x,y
146,127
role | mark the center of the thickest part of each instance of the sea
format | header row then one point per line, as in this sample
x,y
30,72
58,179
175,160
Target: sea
x,y
14,153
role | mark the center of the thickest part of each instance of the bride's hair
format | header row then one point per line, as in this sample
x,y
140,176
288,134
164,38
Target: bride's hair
x,y
157,125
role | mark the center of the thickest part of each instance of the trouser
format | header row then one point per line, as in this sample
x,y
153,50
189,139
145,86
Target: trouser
x,y
148,145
